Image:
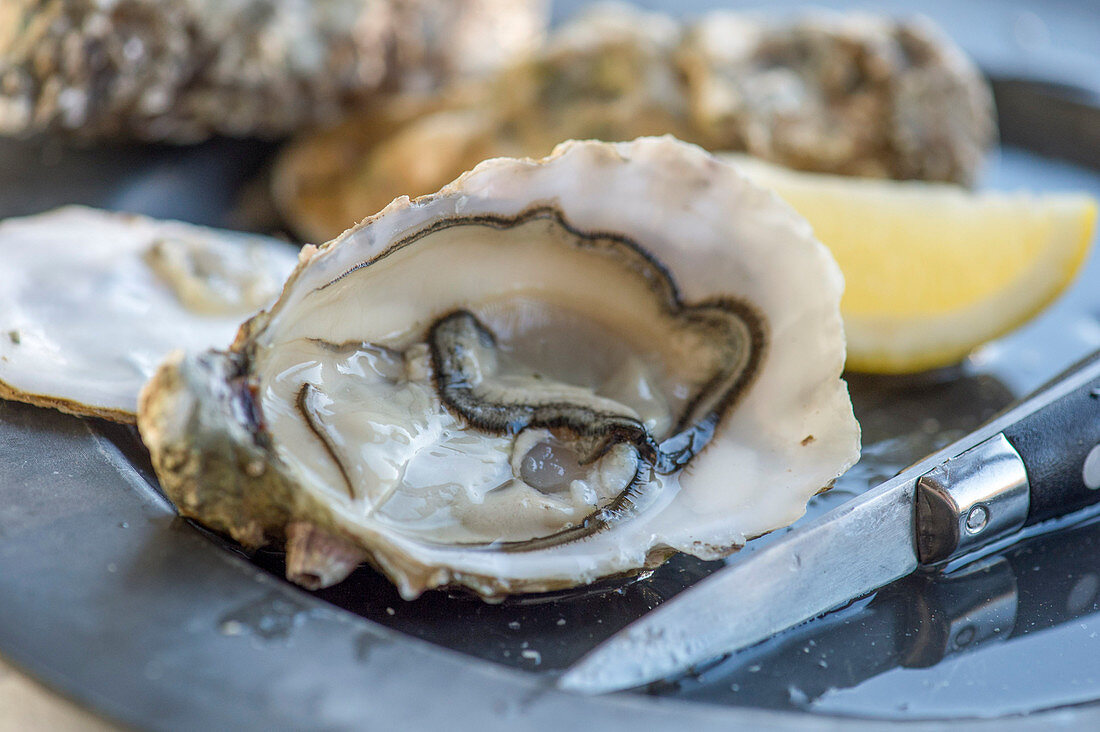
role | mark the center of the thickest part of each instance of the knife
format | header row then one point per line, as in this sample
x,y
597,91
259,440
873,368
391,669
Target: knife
x,y
919,622
1036,461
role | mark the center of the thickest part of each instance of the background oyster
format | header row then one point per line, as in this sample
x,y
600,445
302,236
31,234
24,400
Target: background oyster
x,y
847,93
850,94
547,373
183,70
91,301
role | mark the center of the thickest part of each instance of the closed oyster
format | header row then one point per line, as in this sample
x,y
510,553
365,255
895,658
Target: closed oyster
x,y
848,93
852,94
611,75
546,373
184,70
92,301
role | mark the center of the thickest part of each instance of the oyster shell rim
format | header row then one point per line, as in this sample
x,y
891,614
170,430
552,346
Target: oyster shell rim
x,y
66,406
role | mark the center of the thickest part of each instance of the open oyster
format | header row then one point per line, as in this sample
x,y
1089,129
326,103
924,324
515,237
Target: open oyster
x,y
547,373
91,301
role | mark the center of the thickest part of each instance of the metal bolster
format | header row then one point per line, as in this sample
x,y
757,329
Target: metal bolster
x,y
971,500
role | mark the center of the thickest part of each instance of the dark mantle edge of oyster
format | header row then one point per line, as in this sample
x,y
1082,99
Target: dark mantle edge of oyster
x,y
182,631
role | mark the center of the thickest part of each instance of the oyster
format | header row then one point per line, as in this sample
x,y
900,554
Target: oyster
x,y
184,70
610,75
91,301
852,94
847,93
546,373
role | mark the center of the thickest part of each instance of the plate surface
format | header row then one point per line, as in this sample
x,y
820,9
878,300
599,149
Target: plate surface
x,y
108,597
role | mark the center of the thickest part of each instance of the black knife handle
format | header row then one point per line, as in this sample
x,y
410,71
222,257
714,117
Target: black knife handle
x,y
1059,443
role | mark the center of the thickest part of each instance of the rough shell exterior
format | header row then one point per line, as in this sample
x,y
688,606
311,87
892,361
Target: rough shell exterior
x,y
610,75
853,94
183,70
848,94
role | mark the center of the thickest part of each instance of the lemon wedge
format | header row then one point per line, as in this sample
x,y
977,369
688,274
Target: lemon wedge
x,y
934,270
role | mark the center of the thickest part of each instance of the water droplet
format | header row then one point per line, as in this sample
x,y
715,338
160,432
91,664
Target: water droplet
x,y
513,625
390,611
231,627
124,525
532,655
797,696
267,618
561,621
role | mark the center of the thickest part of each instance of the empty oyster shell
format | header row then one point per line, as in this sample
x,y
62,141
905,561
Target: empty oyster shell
x,y
547,373
91,301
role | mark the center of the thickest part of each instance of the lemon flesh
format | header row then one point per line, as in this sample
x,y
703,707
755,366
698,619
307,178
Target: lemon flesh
x,y
933,270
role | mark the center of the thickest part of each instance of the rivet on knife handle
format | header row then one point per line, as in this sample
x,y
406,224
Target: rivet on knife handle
x,y
969,501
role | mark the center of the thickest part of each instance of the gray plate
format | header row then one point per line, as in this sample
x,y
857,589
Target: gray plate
x,y
108,597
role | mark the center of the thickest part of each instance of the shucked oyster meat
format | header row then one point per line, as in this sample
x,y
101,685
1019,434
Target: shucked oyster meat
x,y
547,373
92,301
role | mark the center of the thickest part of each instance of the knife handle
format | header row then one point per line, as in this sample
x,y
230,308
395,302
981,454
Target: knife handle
x,y
1059,443
1043,462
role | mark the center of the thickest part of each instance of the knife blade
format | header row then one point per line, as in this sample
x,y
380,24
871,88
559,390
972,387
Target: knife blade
x,y
1038,460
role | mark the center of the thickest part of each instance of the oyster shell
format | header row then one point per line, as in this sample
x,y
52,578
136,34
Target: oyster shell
x,y
847,93
852,94
184,70
92,301
547,373
610,74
